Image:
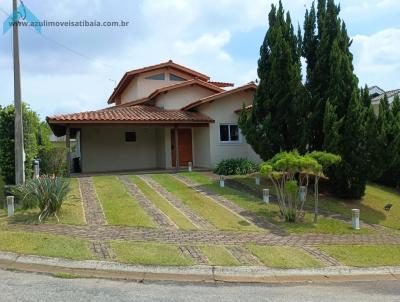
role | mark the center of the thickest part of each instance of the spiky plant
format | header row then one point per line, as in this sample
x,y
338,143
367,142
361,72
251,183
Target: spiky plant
x,y
46,193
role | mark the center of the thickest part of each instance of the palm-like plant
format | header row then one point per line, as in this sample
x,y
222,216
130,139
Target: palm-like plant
x,y
46,193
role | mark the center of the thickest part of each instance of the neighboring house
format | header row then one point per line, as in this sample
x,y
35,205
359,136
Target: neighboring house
x,y
377,94
155,109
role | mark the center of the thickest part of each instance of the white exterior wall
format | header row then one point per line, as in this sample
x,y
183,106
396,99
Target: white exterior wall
x,y
178,98
141,87
104,149
222,111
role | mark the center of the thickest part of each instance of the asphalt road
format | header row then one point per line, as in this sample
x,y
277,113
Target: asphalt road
x,y
17,286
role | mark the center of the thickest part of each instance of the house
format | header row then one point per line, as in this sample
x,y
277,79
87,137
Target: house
x,y
377,94
160,117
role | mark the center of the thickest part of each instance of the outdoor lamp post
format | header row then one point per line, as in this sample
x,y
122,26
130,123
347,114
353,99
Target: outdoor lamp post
x,y
355,219
266,195
222,181
10,206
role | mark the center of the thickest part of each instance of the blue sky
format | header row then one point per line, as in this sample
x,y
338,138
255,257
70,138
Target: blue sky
x,y
75,69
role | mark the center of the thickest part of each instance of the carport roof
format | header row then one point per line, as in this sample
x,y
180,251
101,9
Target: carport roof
x,y
134,114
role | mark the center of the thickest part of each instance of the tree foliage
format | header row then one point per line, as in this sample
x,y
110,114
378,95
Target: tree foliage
x,y
30,126
278,120
290,172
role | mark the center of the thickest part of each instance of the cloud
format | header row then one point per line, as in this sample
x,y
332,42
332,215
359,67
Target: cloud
x,y
69,69
377,58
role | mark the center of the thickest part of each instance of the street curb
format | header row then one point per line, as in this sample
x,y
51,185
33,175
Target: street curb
x,y
141,273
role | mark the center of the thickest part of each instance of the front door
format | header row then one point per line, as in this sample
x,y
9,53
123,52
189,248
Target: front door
x,y
185,146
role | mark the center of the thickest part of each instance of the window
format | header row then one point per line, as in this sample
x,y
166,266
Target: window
x,y
158,77
229,133
174,77
130,136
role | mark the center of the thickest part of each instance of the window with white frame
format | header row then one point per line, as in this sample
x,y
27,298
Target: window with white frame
x,y
229,133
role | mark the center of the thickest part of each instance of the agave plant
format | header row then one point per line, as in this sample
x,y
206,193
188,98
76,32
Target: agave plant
x,y
46,193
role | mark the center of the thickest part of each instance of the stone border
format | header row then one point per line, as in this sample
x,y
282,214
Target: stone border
x,y
113,270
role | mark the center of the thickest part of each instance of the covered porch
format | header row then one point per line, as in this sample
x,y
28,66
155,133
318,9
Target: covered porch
x,y
134,138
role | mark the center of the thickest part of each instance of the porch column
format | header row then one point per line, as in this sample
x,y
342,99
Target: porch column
x,y
176,149
68,146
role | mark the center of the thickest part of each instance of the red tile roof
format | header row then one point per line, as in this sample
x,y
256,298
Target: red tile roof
x,y
132,114
156,92
249,86
221,84
128,76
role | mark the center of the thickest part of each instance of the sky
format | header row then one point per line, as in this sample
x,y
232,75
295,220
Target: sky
x,y
73,69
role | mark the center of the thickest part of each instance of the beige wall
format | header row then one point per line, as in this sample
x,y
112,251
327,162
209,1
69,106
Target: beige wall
x,y
140,87
222,111
201,147
104,149
178,98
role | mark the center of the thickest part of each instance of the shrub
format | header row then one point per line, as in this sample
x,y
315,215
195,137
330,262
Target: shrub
x,y
53,160
46,193
289,171
7,157
235,166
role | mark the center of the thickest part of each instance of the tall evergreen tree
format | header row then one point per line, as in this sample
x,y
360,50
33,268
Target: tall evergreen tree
x,y
278,120
349,178
388,125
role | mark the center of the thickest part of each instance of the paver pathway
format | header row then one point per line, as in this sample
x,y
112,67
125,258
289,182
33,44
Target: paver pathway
x,y
93,212
196,219
155,213
104,233
243,255
195,253
101,250
249,216
321,256
94,216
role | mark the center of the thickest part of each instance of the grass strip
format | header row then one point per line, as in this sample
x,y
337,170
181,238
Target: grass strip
x,y
44,245
149,253
284,257
119,207
176,216
364,255
218,255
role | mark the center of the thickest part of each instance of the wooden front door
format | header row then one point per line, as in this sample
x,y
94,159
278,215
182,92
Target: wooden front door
x,y
185,146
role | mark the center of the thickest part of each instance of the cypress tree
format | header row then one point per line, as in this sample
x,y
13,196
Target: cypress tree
x,y
278,120
388,124
349,178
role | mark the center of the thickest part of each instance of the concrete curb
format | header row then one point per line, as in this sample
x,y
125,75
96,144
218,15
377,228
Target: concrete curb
x,y
140,273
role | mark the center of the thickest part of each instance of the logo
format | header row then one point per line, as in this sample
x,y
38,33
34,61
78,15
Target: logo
x,y
22,16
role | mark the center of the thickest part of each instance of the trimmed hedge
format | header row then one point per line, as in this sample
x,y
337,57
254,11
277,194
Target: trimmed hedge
x,y
236,166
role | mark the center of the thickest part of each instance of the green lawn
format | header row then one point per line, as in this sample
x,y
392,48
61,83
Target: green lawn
x,y
371,206
148,253
118,206
218,255
176,216
283,257
220,217
72,208
364,255
44,245
271,211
